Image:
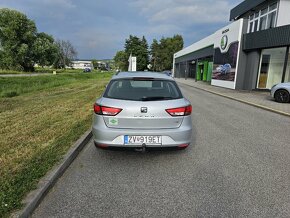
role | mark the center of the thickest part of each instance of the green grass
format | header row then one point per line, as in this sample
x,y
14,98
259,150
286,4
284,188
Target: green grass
x,y
43,70
10,87
38,126
11,72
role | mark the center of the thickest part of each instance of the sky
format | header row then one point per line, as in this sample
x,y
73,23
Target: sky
x,y
99,28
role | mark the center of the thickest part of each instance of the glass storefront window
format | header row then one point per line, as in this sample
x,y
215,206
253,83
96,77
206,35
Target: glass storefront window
x,y
251,27
287,74
263,21
271,67
273,6
264,11
256,25
271,20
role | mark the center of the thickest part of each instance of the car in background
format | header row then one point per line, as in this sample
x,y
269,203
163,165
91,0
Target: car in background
x,y
281,92
87,70
140,110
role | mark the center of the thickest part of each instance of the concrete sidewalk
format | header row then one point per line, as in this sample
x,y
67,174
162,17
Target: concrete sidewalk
x,y
256,98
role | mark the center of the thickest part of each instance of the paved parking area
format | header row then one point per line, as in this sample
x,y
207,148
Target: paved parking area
x,y
238,165
255,97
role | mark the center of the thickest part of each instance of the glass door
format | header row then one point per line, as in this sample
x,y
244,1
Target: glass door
x,y
264,68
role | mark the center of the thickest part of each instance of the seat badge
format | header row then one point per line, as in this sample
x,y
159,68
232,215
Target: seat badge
x,y
144,109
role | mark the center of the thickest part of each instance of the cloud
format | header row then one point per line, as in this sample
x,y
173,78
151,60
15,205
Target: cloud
x,y
95,42
194,19
184,12
99,28
49,9
163,29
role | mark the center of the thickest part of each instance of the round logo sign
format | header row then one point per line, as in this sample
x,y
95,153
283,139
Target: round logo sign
x,y
224,42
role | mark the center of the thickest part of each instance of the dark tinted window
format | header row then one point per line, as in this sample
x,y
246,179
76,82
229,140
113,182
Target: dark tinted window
x,y
142,90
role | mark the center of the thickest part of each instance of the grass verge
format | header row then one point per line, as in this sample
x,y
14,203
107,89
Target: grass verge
x,y
39,126
43,70
10,87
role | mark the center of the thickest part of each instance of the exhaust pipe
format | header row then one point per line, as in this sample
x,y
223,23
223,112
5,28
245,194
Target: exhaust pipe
x,y
142,149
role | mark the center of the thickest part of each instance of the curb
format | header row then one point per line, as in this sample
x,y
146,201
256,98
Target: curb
x,y
242,101
35,197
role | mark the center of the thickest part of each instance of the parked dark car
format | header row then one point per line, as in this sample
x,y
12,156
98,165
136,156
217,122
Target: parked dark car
x,y
87,70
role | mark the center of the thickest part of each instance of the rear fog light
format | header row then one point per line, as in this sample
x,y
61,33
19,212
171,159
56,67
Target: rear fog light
x,y
183,145
100,145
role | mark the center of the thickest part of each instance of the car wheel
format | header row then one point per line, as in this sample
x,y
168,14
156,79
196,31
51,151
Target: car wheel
x,y
282,96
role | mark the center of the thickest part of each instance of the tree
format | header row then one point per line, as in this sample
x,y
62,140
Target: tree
x,y
121,60
66,53
45,50
154,55
162,52
17,35
95,63
138,48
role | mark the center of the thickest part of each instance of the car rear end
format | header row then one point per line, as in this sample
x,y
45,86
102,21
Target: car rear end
x,y
142,112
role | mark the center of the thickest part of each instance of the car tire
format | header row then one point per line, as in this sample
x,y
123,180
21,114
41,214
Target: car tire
x,y
282,96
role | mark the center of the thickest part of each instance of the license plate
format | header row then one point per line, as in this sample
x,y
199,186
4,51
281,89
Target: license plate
x,y
140,139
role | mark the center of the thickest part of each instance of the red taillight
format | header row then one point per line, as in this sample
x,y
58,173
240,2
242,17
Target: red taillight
x,y
108,111
181,111
97,109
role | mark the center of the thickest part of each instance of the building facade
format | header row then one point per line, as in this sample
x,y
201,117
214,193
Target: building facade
x,y
252,52
82,65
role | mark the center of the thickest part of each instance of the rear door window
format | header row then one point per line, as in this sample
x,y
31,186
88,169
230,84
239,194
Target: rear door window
x,y
142,90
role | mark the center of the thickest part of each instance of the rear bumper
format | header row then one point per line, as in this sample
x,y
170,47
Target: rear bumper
x,y
114,137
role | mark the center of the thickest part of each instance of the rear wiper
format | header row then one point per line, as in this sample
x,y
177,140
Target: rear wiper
x,y
155,98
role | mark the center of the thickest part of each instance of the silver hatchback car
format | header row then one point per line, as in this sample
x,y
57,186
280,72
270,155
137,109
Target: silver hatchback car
x,y
142,109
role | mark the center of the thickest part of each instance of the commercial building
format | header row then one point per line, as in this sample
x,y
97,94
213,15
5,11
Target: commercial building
x,y
252,52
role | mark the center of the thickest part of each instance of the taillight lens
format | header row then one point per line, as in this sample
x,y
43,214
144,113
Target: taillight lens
x,y
181,111
108,111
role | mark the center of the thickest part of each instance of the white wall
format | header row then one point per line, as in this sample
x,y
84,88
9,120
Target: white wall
x,y
82,64
283,13
205,42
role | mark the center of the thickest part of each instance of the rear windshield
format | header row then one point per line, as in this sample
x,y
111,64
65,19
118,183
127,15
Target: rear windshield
x,y
142,90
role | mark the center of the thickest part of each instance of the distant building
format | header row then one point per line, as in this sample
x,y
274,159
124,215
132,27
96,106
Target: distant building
x,y
102,65
82,65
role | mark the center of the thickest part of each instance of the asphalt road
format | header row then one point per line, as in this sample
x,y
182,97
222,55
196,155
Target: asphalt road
x,y
237,166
